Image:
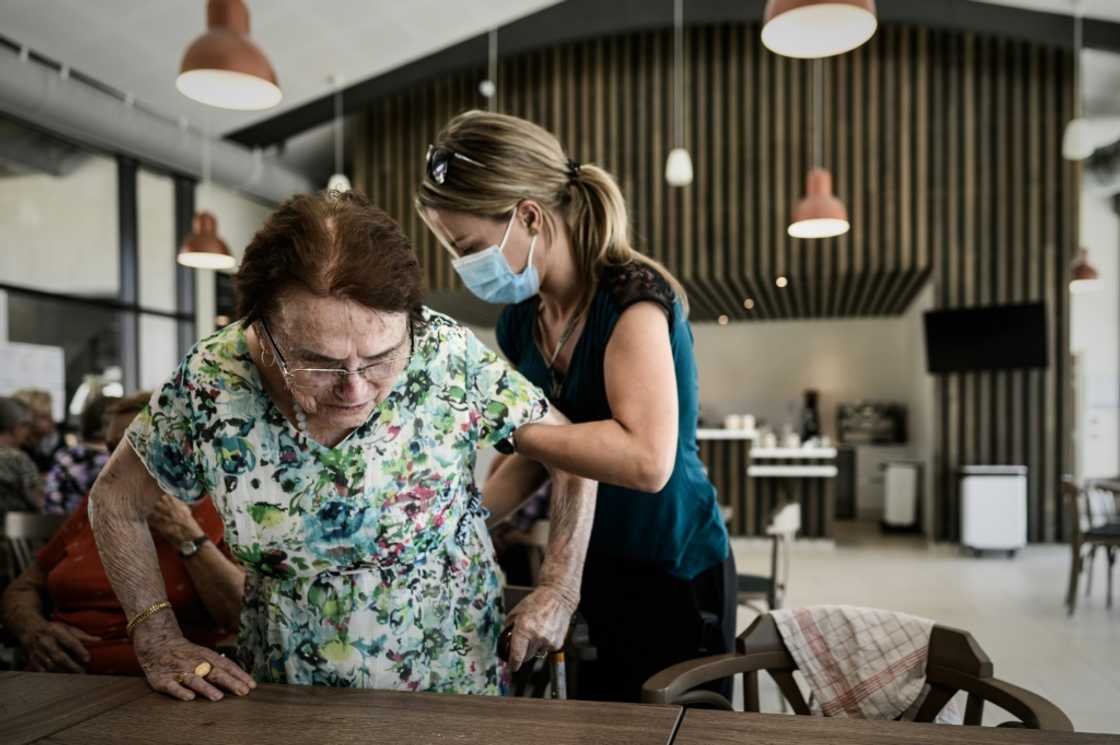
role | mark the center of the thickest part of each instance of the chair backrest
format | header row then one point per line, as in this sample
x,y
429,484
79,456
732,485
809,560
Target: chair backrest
x,y
955,663
1073,498
25,532
1101,502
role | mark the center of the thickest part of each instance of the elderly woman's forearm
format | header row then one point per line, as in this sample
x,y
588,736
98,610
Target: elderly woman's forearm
x,y
572,512
120,502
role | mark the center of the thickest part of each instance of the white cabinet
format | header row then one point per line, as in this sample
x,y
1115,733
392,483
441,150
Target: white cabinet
x,y
994,507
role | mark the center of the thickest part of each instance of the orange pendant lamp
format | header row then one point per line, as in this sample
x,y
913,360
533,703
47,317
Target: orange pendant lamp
x,y
809,29
203,249
1083,275
223,68
819,214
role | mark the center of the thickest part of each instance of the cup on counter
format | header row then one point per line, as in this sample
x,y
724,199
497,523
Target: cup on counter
x,y
733,421
769,440
748,422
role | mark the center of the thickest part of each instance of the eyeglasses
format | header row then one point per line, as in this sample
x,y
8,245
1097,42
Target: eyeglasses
x,y
439,158
325,378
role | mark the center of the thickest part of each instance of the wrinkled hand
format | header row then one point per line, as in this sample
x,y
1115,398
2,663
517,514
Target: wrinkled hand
x,y
54,647
540,624
171,518
164,657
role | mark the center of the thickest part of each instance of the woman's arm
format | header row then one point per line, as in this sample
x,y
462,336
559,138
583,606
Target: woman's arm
x,y
218,581
121,501
51,646
637,447
512,480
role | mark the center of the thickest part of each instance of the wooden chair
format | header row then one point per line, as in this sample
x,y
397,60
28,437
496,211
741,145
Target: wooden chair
x,y
24,534
771,588
1086,537
956,663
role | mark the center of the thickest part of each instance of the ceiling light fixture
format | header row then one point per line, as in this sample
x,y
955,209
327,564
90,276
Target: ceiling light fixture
x,y
1083,275
223,68
678,166
808,29
203,248
338,180
819,214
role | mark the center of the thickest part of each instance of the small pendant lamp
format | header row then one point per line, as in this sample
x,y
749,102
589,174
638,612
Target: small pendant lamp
x,y
223,68
808,29
678,166
203,248
1083,275
338,180
819,214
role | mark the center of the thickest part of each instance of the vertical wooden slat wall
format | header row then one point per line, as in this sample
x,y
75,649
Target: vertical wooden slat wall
x,y
944,146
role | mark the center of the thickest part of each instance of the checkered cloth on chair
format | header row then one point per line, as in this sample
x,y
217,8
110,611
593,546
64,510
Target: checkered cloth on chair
x,y
859,663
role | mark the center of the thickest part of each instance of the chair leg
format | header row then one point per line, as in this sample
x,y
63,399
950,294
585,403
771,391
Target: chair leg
x,y
1088,569
1074,571
1111,552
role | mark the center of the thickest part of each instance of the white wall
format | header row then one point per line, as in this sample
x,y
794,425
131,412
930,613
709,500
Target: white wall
x,y
763,369
1095,340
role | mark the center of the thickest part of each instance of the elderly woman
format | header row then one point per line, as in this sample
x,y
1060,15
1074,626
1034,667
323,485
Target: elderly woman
x,y
335,427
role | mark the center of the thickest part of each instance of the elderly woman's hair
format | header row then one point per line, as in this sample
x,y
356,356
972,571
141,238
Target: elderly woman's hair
x,y
334,244
13,413
36,399
128,406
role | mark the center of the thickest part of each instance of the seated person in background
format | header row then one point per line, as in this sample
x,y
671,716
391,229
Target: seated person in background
x,y
63,610
44,437
75,468
21,488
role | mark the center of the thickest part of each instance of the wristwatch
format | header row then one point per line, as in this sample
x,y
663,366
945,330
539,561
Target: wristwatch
x,y
187,549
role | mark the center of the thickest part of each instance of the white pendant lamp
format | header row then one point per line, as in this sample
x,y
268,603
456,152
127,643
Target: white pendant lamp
x,y
338,180
678,166
808,29
204,248
223,68
819,214
1077,141
489,87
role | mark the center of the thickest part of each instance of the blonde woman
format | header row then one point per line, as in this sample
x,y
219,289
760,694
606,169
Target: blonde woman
x,y
604,330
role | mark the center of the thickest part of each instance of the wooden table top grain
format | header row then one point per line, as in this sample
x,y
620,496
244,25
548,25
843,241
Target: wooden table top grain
x,y
293,715
35,705
736,728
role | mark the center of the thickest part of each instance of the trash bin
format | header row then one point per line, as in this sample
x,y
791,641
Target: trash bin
x,y
994,508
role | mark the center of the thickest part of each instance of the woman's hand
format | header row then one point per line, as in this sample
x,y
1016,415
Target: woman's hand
x,y
169,661
54,647
540,624
171,518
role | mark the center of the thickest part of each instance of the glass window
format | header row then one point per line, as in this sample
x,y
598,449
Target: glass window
x,y
159,349
156,213
41,178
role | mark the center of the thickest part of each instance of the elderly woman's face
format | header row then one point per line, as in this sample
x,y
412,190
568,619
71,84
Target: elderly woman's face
x,y
341,357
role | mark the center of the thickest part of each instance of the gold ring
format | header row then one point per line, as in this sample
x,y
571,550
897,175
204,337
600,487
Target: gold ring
x,y
203,669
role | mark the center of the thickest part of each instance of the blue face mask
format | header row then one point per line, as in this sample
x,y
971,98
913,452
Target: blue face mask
x,y
488,275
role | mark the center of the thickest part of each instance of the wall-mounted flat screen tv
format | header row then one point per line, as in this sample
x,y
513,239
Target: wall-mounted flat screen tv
x,y
996,337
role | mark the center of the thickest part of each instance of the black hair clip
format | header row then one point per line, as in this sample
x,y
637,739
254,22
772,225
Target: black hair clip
x,y
573,169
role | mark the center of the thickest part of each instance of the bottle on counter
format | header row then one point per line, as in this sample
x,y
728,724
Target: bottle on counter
x,y
810,417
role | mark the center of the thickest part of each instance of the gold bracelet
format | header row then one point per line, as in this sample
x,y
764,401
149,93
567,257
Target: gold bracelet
x,y
145,614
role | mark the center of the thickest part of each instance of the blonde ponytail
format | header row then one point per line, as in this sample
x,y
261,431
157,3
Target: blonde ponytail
x,y
519,160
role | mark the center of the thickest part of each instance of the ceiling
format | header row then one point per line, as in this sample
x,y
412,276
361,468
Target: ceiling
x,y
136,45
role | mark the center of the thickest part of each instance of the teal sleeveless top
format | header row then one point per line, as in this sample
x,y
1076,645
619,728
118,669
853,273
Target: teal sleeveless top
x,y
679,529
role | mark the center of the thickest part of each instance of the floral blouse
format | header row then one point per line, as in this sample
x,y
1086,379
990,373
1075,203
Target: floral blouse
x,y
72,476
368,563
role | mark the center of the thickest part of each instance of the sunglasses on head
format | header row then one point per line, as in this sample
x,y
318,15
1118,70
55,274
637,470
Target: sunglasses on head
x,y
439,159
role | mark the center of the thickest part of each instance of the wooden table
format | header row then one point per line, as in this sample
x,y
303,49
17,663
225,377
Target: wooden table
x,y
35,705
734,728
283,715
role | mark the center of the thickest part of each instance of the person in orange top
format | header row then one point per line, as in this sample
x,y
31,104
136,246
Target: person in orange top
x,y
64,613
